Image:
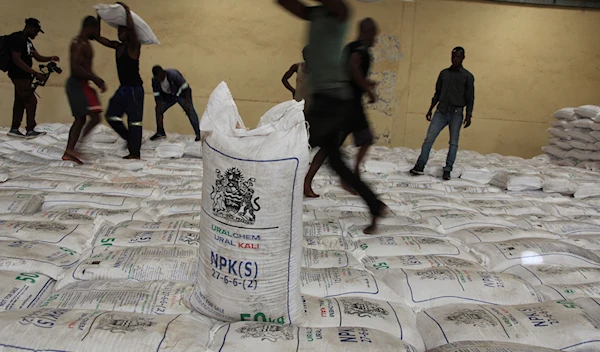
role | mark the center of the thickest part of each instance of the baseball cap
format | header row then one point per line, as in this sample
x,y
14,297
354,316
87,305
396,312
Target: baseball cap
x,y
32,22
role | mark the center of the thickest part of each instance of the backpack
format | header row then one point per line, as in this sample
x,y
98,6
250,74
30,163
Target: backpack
x,y
5,55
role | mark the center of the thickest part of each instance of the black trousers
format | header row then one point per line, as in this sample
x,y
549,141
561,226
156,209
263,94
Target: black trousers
x,y
327,117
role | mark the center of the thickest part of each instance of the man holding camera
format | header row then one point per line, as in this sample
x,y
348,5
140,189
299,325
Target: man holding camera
x,y
20,72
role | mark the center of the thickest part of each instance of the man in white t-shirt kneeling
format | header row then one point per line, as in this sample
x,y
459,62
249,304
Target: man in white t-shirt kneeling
x,y
170,88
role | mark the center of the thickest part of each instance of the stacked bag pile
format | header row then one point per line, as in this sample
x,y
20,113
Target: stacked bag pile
x,y
221,253
575,137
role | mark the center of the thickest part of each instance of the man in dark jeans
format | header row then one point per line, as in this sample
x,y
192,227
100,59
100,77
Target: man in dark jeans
x,y
170,88
454,91
331,101
20,72
129,98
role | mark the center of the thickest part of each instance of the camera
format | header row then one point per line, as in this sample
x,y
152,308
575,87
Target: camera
x,y
52,67
47,70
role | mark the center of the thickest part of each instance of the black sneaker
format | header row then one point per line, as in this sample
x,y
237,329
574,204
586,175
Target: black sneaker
x,y
417,170
16,133
158,135
446,176
197,138
33,134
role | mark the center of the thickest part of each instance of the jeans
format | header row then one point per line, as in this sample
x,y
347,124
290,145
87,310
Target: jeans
x,y
168,100
453,119
25,100
130,101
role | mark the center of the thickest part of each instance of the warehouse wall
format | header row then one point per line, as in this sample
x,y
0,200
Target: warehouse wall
x,y
527,61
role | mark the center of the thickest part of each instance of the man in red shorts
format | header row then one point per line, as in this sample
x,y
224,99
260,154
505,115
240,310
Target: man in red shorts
x,y
82,98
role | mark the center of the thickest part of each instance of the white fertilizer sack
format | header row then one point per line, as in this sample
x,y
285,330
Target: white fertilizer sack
x,y
588,111
546,274
151,297
49,232
434,287
505,207
318,228
581,134
115,16
39,185
411,245
251,242
112,215
394,318
447,223
316,259
170,149
489,346
567,227
415,262
124,237
137,263
20,203
568,114
48,329
357,232
36,257
498,256
166,225
583,123
88,200
60,217
329,243
560,133
591,242
558,292
276,338
499,234
334,282
117,189
23,290
565,325
176,206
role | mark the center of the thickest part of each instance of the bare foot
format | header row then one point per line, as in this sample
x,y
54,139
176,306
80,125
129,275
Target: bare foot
x,y
383,212
68,156
309,193
348,189
131,157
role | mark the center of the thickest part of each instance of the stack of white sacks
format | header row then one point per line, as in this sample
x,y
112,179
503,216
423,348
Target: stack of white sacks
x,y
105,256
575,137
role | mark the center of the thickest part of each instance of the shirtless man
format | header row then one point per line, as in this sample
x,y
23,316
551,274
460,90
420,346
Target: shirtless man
x,y
129,98
302,71
82,98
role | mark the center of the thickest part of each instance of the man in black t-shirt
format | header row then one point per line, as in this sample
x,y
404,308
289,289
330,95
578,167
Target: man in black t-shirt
x,y
20,72
359,64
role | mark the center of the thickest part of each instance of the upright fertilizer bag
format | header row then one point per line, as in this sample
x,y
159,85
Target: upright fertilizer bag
x,y
251,224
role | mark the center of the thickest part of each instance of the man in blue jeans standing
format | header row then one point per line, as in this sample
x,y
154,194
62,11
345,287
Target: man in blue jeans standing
x,y
454,92
171,88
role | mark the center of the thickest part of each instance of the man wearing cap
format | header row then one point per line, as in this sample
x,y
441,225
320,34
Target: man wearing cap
x,y
21,74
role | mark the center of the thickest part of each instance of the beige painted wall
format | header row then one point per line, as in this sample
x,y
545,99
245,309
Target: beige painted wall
x,y
527,61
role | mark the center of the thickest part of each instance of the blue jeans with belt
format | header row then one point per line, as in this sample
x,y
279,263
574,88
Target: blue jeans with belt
x,y
453,119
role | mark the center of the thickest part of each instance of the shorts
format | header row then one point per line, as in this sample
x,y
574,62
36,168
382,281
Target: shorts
x,y
326,117
358,125
82,98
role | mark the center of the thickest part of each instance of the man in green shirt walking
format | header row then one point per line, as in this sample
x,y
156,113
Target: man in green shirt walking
x,y
331,93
